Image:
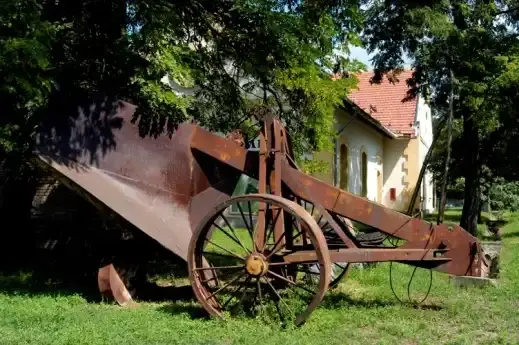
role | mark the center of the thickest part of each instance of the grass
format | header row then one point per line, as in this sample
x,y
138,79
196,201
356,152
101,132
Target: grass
x,y
361,311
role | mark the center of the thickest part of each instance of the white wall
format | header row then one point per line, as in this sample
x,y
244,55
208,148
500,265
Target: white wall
x,y
394,173
425,133
360,137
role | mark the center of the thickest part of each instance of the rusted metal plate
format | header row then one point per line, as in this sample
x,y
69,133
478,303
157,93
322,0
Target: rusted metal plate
x,y
148,181
111,285
165,185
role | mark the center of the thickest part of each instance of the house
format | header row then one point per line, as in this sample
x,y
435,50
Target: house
x,y
381,145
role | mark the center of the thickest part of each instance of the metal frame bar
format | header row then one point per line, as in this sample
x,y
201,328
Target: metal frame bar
x,y
461,252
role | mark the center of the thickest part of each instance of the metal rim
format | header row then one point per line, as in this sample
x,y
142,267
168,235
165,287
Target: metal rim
x,y
260,266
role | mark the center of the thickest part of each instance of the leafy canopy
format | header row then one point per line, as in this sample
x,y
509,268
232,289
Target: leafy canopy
x,y
469,47
225,58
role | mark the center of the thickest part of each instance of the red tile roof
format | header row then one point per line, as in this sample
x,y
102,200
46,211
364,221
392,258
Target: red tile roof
x,y
384,102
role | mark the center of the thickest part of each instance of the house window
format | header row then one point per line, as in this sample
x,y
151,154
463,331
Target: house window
x,y
364,171
343,179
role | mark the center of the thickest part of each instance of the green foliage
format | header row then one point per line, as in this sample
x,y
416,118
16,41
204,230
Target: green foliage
x,y
25,68
224,58
504,196
467,47
313,166
239,55
461,36
456,190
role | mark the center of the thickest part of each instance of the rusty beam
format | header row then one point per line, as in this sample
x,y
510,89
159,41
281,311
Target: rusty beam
x,y
356,255
465,250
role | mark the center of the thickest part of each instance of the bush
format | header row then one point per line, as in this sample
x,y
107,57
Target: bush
x,y
504,196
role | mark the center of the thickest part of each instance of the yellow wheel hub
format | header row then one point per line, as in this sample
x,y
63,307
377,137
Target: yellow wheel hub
x,y
256,265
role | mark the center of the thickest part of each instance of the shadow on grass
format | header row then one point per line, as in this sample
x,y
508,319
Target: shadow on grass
x,y
340,300
510,234
333,301
195,311
154,293
31,283
34,273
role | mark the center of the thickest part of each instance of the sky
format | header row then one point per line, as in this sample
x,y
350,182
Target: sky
x,y
363,56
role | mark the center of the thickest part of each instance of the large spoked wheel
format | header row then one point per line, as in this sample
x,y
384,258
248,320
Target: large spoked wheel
x,y
235,269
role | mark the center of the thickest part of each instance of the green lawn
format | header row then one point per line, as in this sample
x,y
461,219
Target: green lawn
x,y
361,311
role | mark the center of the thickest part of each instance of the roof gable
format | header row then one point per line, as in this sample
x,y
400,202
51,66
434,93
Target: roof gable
x,y
385,102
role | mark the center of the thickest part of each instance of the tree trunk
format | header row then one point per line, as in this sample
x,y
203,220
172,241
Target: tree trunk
x,y
436,135
443,200
469,216
480,220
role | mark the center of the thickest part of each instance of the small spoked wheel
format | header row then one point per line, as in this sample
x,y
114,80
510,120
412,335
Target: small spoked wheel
x,y
241,260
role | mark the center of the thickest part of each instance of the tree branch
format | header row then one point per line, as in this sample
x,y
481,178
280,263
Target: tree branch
x,y
276,97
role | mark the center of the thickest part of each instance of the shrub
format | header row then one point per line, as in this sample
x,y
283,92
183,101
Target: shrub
x,y
504,196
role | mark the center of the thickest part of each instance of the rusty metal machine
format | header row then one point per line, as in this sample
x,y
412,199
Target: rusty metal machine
x,y
279,248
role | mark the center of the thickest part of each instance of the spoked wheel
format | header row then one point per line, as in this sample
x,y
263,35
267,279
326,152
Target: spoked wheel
x,y
339,270
247,272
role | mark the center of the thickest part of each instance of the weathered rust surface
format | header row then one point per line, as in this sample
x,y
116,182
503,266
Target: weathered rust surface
x,y
167,186
111,285
464,249
148,181
370,255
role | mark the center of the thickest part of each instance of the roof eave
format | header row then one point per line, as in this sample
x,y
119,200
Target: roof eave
x,y
367,118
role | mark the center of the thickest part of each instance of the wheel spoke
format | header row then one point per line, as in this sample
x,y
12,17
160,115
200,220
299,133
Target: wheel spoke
x,y
236,291
332,238
308,272
251,226
277,294
250,283
258,289
244,293
216,268
273,224
279,249
319,221
249,229
217,277
219,254
289,281
234,238
223,287
226,250
274,251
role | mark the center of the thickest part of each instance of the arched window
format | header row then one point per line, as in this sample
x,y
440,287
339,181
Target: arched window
x,y
364,171
343,179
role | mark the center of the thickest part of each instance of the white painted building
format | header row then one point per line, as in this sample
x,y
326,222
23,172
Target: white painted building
x,y
382,144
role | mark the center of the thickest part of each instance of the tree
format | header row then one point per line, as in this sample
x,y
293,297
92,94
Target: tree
x,y
235,55
471,39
